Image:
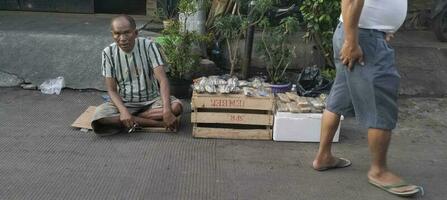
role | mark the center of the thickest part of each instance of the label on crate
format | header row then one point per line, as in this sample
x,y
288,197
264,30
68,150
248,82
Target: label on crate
x,y
225,103
237,118
232,102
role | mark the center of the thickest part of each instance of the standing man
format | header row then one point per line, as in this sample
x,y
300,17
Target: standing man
x,y
366,86
133,68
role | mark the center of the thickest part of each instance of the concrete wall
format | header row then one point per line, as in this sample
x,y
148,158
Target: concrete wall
x,y
419,4
305,54
151,7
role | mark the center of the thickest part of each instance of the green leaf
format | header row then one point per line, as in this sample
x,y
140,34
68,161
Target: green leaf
x,y
320,18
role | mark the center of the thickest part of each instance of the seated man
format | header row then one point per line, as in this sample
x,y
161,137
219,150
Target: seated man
x,y
133,68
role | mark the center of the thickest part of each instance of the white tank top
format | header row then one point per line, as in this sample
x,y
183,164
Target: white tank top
x,y
383,15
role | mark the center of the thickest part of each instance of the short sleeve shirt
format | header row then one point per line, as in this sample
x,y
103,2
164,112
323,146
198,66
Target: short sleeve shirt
x,y
133,71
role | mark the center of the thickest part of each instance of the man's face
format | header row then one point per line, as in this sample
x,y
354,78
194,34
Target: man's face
x,y
123,34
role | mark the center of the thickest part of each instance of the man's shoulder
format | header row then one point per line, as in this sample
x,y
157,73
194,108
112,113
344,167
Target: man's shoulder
x,y
110,47
145,40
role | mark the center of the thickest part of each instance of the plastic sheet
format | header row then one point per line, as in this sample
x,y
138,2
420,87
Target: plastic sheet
x,y
310,83
53,86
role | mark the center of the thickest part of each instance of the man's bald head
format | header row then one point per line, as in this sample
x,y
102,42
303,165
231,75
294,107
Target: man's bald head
x,y
124,18
124,32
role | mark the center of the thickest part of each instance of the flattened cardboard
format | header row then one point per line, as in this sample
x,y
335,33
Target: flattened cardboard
x,y
85,119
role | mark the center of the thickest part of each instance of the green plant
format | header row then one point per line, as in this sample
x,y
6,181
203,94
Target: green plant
x,y
231,28
231,25
177,44
261,8
188,7
276,47
167,9
320,18
236,19
177,50
328,73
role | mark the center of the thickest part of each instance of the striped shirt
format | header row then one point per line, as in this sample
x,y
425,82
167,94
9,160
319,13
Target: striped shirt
x,y
133,71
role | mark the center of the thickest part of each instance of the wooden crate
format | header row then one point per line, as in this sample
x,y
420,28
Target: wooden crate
x,y
232,116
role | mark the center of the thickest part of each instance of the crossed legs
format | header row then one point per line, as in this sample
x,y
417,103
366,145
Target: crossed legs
x,y
148,118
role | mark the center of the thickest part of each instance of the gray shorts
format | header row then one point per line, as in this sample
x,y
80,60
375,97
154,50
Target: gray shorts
x,y
368,92
108,109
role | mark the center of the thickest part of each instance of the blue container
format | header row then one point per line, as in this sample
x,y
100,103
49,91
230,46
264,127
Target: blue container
x,y
280,88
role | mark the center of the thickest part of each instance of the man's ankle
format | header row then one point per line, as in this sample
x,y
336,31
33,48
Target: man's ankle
x,y
376,172
323,155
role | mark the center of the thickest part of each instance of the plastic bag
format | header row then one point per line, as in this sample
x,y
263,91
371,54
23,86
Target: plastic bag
x,y
256,83
53,86
310,83
214,84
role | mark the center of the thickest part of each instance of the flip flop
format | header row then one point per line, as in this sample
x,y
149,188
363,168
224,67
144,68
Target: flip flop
x,y
340,163
389,188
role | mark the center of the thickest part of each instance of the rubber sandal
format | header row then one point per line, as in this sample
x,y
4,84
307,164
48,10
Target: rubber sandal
x,y
341,163
389,188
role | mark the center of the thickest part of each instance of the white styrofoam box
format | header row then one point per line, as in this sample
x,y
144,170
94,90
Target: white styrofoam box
x,y
299,127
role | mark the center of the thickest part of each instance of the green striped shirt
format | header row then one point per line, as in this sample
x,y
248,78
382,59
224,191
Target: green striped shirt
x,y
133,71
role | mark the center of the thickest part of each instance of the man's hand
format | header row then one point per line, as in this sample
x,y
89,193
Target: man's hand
x,y
127,119
389,36
169,120
350,54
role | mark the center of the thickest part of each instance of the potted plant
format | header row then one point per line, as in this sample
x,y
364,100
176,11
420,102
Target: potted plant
x,y
177,48
231,28
231,24
277,50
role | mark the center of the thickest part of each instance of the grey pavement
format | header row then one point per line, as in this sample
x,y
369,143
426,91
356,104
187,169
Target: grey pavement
x,y
37,46
422,63
42,157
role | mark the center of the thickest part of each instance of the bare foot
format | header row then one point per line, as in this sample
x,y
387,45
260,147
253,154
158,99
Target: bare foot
x,y
322,163
386,178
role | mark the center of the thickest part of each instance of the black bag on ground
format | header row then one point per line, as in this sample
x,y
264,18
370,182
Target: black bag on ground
x,y
310,83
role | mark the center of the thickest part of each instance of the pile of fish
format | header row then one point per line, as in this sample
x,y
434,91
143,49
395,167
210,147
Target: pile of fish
x,y
220,85
291,102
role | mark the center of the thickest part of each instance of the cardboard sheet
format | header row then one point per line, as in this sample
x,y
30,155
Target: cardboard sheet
x,y
85,119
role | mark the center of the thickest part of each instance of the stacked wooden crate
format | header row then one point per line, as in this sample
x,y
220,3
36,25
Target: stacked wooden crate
x,y
232,116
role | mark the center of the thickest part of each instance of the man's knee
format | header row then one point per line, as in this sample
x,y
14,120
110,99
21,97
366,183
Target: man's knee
x,y
177,108
379,130
105,127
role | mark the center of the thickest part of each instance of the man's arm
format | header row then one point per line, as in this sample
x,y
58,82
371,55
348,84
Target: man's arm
x,y
168,117
125,117
351,51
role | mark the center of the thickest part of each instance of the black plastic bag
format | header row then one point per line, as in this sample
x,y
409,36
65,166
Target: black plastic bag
x,y
310,83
